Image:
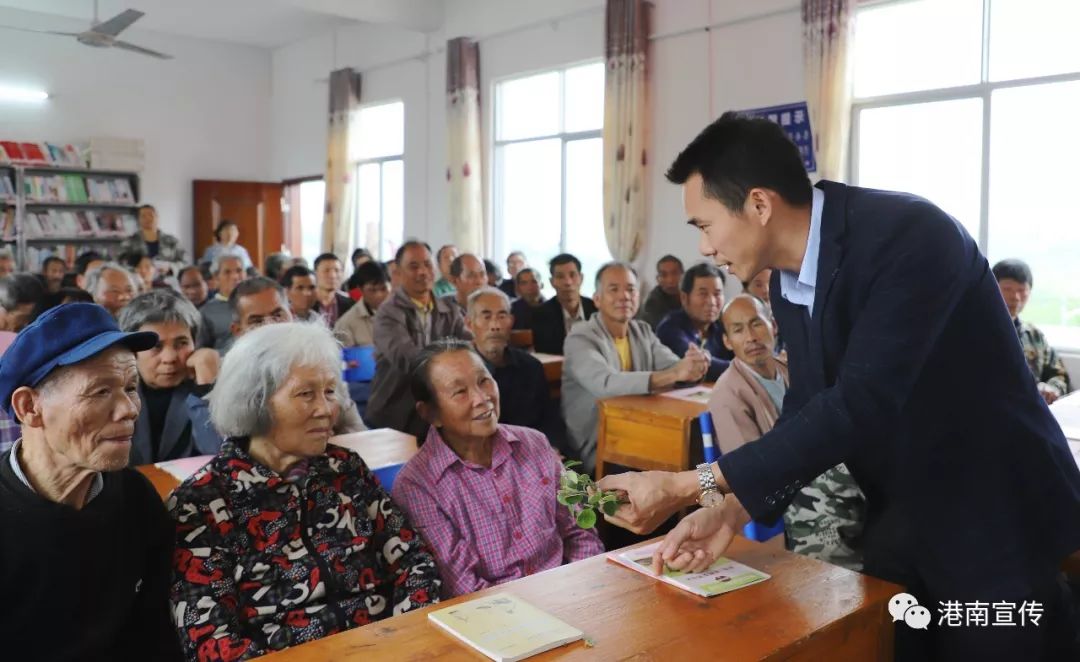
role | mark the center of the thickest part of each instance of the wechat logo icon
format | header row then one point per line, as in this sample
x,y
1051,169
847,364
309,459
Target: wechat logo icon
x,y
904,607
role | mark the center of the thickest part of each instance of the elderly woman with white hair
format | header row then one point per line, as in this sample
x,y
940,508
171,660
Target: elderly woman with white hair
x,y
173,375
282,538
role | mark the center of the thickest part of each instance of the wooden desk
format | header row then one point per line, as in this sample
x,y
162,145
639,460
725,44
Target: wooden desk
x,y
521,338
808,611
647,432
379,448
553,371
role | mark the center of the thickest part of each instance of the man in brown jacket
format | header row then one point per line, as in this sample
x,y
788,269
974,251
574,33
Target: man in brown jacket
x,y
409,320
826,518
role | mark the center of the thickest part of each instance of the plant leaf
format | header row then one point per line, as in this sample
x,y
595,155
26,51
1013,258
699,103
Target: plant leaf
x,y
609,507
561,498
573,498
571,463
571,477
586,519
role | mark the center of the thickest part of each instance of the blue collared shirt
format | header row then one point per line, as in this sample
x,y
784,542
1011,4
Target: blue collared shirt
x,y
799,288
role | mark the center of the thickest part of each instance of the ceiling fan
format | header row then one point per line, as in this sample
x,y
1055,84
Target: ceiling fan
x,y
103,35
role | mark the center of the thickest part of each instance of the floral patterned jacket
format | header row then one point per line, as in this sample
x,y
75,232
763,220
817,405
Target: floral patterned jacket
x,y
264,562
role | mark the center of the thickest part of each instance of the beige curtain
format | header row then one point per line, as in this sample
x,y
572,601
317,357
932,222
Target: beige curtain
x,y
626,125
338,235
828,37
463,169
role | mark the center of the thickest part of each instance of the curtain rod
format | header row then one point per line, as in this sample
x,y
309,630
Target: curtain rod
x,y
423,56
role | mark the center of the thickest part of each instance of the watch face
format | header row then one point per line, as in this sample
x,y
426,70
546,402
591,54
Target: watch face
x,y
710,499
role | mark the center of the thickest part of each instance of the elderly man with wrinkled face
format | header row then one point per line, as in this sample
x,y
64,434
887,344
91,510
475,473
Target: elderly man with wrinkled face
x,y
87,544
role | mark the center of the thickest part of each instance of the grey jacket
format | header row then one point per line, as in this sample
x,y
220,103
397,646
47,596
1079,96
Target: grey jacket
x,y
399,337
356,327
592,372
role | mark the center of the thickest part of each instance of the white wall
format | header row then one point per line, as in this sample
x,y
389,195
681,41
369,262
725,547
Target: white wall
x,y
756,60
203,115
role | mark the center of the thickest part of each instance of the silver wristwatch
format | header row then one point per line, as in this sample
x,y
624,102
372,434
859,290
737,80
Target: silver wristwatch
x,y
710,495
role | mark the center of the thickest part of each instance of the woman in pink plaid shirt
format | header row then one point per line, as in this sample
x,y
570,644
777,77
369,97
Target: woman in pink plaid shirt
x,y
482,494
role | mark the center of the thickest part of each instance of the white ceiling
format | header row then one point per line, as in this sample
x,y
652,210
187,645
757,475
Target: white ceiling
x,y
262,23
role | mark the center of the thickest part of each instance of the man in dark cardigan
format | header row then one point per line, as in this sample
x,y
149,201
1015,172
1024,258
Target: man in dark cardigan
x,y
87,544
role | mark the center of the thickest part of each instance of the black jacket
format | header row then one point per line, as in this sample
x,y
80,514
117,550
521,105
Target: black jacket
x,y
549,329
909,371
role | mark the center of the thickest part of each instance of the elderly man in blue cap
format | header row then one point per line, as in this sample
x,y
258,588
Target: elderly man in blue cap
x,y
86,544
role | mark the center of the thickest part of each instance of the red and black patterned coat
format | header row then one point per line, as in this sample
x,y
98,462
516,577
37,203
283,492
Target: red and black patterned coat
x,y
263,562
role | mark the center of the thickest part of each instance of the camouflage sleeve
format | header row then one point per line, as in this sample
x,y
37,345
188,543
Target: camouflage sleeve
x,y
1054,373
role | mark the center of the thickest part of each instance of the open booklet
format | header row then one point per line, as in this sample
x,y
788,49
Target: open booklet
x,y
722,576
504,628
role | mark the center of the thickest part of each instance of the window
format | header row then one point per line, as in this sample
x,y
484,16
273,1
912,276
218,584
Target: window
x,y
377,145
975,118
548,174
312,211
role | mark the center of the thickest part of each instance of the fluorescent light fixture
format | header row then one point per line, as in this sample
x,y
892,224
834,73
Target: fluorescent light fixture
x,y
22,94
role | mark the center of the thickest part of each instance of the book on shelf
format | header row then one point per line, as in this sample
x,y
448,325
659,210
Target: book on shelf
x,y
71,224
68,252
12,150
7,186
32,153
504,627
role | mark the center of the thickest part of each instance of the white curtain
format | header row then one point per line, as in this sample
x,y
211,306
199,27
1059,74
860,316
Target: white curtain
x,y
828,37
626,127
338,235
463,168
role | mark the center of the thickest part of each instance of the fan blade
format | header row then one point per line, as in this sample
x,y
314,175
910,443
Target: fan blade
x,y
65,34
139,49
118,23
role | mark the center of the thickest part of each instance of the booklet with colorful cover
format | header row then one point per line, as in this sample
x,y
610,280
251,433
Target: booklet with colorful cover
x,y
723,576
504,628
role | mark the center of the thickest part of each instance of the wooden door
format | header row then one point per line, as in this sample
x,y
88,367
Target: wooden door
x,y
255,207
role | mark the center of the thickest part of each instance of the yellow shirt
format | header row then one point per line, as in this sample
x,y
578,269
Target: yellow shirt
x,y
424,310
622,346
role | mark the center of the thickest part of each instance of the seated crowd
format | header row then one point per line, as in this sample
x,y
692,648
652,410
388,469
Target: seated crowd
x,y
284,537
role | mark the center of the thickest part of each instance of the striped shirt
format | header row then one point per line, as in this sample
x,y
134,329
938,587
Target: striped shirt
x,y
489,526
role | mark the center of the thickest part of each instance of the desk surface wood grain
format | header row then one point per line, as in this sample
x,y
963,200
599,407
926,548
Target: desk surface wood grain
x,y
807,611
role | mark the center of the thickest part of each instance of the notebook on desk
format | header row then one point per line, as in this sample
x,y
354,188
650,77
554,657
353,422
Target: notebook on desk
x,y
723,576
504,628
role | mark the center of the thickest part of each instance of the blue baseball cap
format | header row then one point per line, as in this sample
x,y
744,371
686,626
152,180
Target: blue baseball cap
x,y
62,336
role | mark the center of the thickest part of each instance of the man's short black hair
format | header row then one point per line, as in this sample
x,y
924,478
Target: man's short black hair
x,y
132,259
670,258
205,268
252,286
49,260
359,253
84,260
561,259
19,289
438,255
737,153
527,270
457,265
370,273
1014,269
700,270
412,243
294,272
324,257
492,269
190,267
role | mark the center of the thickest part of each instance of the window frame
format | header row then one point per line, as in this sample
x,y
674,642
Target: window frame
x,y
983,90
564,137
381,161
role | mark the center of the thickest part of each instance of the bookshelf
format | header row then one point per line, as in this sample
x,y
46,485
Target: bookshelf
x,y
65,210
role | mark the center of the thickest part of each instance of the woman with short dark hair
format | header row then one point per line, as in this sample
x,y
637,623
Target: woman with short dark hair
x,y
170,373
226,234
482,494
